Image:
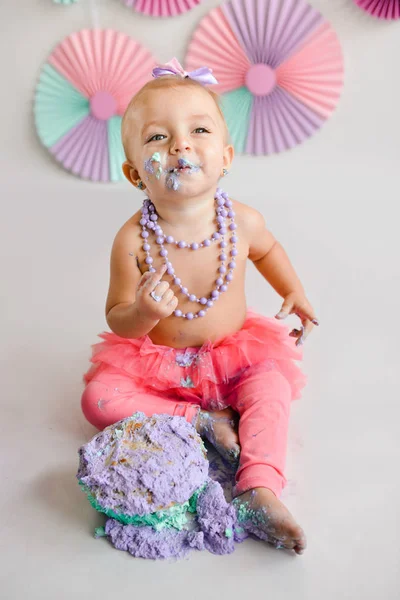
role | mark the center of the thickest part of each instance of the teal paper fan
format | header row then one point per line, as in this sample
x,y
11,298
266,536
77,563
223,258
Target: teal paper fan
x,y
82,94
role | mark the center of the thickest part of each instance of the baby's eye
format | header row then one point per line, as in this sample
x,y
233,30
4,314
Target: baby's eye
x,y
203,128
156,136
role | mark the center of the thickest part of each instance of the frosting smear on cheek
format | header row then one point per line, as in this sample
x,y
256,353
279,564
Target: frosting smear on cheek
x,y
149,167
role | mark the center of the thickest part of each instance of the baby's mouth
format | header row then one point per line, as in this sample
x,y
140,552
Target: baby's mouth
x,y
184,166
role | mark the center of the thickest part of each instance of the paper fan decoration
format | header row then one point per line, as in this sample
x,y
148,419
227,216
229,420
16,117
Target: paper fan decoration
x,y
279,66
383,9
161,8
83,91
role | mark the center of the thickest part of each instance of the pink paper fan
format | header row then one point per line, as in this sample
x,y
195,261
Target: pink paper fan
x,y
279,66
161,8
83,91
383,9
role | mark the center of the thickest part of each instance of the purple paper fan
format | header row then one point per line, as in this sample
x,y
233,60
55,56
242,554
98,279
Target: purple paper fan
x,y
382,9
84,150
279,67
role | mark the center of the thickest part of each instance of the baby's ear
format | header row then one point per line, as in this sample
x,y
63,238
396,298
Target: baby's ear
x,y
130,173
229,153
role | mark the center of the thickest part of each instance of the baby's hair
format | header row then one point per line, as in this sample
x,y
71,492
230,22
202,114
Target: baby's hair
x,y
167,82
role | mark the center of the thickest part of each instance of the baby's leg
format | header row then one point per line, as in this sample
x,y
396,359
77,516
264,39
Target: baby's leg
x,y
263,398
111,396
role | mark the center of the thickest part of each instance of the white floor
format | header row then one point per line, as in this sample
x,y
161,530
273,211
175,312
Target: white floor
x,y
343,488
342,461
333,203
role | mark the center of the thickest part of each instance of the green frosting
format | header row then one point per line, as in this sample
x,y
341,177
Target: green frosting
x,y
228,532
244,513
172,517
100,532
157,158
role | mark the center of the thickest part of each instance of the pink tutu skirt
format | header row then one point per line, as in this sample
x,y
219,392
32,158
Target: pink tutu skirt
x,y
206,372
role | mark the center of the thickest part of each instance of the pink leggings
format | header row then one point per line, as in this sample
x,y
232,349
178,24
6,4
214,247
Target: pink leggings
x,y
261,397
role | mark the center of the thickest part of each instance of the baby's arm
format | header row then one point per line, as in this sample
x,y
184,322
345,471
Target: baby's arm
x,y
122,315
273,263
269,257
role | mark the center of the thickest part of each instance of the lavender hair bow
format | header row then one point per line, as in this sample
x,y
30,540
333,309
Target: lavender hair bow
x,y
173,67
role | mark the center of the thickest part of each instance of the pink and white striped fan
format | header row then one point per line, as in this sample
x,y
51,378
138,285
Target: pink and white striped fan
x,y
279,66
162,8
83,91
383,9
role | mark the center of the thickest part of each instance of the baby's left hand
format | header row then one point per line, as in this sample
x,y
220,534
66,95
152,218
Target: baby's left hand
x,y
298,304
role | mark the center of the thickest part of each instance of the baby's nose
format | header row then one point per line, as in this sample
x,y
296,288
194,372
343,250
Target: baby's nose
x,y
180,145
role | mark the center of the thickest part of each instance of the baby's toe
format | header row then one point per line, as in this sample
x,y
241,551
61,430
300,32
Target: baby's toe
x,y
231,454
301,544
293,538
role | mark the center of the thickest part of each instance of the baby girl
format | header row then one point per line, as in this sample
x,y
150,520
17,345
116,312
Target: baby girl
x,y
183,341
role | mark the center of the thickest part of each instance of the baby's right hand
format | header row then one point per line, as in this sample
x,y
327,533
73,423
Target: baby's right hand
x,y
146,305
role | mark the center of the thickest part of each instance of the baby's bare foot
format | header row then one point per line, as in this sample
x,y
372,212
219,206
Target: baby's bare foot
x,y
220,428
262,513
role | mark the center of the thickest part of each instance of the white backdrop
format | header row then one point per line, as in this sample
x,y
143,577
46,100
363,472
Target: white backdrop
x,y
333,204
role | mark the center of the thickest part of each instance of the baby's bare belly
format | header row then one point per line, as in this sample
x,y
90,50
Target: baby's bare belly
x,y
223,319
198,272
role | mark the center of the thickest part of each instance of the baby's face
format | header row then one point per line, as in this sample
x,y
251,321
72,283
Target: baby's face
x,y
178,142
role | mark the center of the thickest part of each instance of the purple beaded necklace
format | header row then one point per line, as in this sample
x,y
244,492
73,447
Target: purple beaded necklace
x,y
223,210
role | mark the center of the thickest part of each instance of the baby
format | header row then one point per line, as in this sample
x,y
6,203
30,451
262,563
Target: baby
x,y
183,341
